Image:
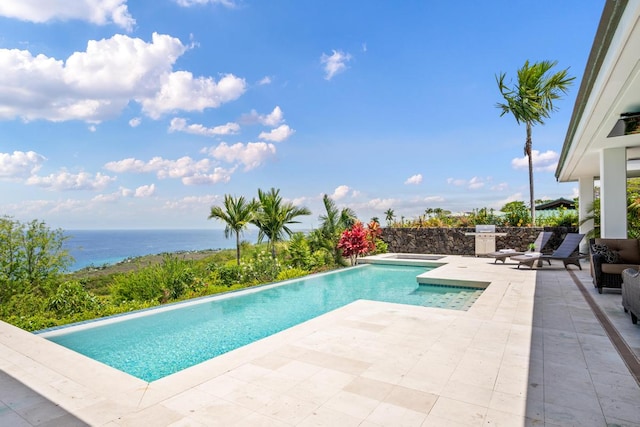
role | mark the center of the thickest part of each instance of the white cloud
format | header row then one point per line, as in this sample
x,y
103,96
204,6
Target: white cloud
x,y
135,122
99,12
251,155
334,63
415,179
500,187
63,181
145,191
272,119
218,175
543,162
475,183
183,168
189,3
100,82
266,80
20,164
278,134
180,91
113,197
180,125
381,204
340,192
516,197
456,182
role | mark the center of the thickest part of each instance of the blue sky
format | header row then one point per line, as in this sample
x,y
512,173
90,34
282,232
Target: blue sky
x,y
119,114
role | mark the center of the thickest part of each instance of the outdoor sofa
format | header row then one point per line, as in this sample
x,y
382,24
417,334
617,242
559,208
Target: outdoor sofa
x,y
631,293
609,258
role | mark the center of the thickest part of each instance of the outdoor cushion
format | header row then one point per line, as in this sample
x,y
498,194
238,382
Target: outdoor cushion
x,y
616,268
628,249
609,255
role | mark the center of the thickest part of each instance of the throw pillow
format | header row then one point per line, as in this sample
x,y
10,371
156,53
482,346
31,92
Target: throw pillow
x,y
610,257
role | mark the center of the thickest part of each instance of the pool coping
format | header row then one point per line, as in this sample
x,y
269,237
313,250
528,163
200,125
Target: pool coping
x,y
101,395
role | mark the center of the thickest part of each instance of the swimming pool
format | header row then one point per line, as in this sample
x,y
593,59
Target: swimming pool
x,y
161,342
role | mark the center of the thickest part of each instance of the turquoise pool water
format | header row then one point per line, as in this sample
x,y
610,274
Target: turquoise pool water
x,y
161,343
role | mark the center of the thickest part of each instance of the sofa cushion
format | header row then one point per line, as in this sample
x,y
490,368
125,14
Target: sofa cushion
x,y
617,268
628,249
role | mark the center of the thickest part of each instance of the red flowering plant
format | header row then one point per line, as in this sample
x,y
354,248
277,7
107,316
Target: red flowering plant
x,y
355,242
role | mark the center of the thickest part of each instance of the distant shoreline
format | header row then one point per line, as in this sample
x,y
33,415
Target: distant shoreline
x,y
133,263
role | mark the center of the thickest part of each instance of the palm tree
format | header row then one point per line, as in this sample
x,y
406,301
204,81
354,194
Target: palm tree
x,y
332,224
389,216
531,102
273,216
237,214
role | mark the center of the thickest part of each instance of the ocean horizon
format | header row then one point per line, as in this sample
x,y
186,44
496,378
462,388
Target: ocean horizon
x,y
105,247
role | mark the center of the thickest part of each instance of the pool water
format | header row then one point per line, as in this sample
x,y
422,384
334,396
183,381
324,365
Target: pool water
x,y
161,343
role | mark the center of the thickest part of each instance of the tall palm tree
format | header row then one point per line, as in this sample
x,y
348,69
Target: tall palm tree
x,y
332,224
531,102
273,216
389,216
237,214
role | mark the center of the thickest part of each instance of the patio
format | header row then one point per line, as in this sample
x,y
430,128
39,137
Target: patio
x,y
530,351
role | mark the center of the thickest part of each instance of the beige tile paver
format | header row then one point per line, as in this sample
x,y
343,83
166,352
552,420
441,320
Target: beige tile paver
x,y
528,352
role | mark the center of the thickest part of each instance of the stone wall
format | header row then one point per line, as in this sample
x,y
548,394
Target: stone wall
x,y
452,241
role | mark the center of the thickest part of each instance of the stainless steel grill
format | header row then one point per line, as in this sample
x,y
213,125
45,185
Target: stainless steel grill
x,y
485,235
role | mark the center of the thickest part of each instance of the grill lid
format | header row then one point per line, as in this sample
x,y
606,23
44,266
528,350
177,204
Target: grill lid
x,y
485,228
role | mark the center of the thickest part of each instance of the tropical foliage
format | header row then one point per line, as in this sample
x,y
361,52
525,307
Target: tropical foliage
x,y
237,215
274,216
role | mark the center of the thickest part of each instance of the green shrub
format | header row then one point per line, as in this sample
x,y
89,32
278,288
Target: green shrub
x,y
141,285
72,298
291,273
298,251
263,268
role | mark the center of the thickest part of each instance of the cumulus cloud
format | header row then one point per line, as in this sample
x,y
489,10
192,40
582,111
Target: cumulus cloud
x,y
475,183
472,184
266,80
163,168
113,197
334,63
500,187
99,12
543,162
100,82
180,91
415,179
64,180
145,191
340,192
135,122
381,204
218,175
251,155
272,119
180,125
188,170
189,3
20,164
278,134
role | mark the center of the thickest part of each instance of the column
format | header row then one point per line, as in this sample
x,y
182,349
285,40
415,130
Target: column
x,y
585,194
613,193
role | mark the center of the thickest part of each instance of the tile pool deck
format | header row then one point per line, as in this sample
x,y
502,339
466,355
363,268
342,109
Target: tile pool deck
x,y
529,352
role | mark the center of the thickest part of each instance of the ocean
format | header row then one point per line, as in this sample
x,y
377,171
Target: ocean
x,y
100,247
